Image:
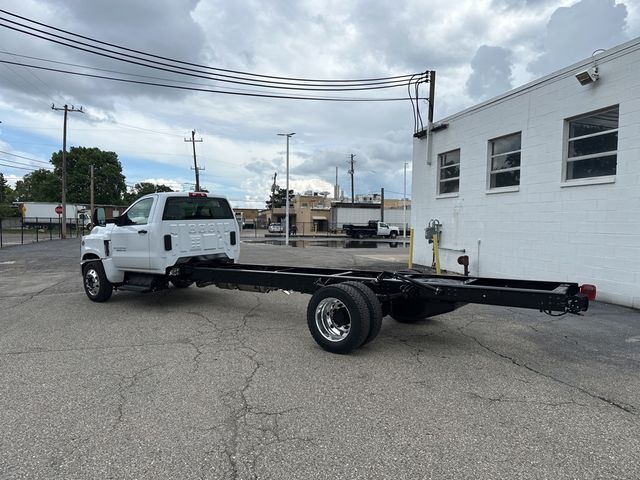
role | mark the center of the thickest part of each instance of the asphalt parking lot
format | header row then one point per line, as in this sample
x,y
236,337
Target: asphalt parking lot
x,y
209,383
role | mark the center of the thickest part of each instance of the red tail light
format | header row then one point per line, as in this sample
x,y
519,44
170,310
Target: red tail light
x,y
197,194
588,290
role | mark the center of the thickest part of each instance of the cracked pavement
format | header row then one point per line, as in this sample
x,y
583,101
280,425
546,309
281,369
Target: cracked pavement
x,y
219,384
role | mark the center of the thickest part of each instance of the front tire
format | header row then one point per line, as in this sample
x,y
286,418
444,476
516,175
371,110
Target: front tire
x,y
338,318
393,234
96,285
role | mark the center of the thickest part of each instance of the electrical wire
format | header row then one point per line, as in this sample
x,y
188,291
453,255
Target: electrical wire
x,y
226,92
25,158
246,74
136,60
20,168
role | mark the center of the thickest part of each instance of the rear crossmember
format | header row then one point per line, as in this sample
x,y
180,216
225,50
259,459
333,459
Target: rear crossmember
x,y
347,306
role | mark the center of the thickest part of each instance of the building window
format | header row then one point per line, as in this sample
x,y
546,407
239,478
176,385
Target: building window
x,y
592,144
449,172
504,161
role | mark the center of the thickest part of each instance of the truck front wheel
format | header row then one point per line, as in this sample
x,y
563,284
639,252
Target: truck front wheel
x,y
95,282
338,318
393,234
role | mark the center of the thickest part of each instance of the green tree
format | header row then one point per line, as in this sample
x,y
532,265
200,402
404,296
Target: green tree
x,y
109,182
6,192
279,198
144,188
41,185
6,197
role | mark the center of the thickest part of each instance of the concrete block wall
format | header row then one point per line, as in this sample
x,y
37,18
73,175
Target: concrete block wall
x,y
547,229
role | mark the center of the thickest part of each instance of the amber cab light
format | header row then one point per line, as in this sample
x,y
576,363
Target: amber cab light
x,y
589,291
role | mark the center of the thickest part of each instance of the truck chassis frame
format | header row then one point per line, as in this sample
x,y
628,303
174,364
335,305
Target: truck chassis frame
x,y
347,306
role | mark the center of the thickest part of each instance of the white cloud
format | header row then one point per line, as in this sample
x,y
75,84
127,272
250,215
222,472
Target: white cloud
x,y
491,72
479,48
574,32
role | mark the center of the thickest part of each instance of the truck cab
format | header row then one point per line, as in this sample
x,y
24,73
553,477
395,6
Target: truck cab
x,y
161,231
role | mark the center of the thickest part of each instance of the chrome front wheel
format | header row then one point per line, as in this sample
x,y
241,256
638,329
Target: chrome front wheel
x,y
96,285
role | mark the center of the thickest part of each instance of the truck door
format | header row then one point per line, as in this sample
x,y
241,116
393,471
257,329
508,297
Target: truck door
x,y
383,229
130,239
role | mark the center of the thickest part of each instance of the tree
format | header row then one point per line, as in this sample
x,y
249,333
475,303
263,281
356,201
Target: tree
x,y
279,198
109,182
144,188
6,192
6,197
41,185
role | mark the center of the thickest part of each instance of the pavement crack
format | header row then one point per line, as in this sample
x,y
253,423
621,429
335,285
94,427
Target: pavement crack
x,y
126,384
631,409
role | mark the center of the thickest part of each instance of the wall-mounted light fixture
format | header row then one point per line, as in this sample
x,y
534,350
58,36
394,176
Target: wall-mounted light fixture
x,y
591,74
587,76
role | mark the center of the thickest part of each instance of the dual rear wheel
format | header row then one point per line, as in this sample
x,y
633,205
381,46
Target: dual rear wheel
x,y
344,316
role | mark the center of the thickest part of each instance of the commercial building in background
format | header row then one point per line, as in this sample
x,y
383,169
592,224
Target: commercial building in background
x,y
542,182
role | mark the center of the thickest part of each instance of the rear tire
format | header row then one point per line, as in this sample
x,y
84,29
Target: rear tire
x,y
96,285
375,309
338,318
393,234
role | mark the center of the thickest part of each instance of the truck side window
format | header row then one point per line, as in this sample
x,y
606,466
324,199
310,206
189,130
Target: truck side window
x,y
138,214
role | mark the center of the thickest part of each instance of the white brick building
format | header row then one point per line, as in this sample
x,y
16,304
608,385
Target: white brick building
x,y
542,182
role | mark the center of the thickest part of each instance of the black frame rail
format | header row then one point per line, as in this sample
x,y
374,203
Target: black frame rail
x,y
541,295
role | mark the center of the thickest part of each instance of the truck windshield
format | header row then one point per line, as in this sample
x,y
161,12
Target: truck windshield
x,y
196,208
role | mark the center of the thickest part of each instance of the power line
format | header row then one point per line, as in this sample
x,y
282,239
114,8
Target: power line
x,y
225,92
19,168
25,158
25,164
245,74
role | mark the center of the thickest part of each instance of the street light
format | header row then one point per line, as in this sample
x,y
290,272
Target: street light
x,y
286,208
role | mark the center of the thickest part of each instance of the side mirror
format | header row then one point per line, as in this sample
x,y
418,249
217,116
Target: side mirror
x,y
99,217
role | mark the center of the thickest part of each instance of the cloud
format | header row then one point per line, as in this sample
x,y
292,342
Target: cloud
x,y
573,32
490,72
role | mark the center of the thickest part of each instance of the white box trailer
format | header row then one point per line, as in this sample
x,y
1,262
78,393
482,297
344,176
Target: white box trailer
x,y
46,212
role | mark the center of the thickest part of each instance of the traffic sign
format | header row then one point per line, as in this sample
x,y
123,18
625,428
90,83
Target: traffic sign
x,y
59,209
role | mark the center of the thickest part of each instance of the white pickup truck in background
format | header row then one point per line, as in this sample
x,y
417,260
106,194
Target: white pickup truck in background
x,y
374,228
137,250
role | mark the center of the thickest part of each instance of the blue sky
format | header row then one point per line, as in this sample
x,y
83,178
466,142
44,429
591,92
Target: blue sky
x,y
479,48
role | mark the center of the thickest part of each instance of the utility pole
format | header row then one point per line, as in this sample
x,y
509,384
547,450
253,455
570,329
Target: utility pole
x,y
286,209
351,171
92,196
195,163
273,193
382,204
63,231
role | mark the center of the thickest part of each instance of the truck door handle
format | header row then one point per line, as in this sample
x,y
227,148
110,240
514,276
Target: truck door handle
x,y
141,232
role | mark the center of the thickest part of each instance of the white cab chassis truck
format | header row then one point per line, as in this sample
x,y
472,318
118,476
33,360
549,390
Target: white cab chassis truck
x,y
187,238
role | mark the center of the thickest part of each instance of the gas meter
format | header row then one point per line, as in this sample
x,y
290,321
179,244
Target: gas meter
x,y
434,228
